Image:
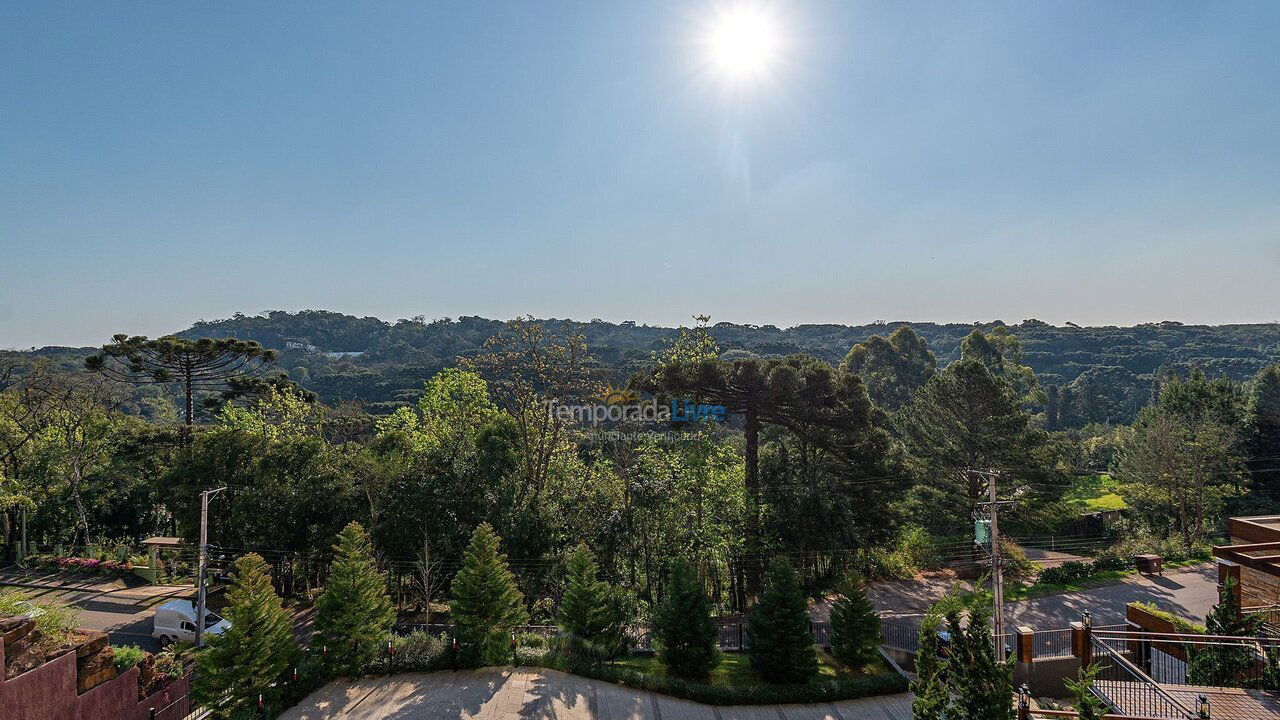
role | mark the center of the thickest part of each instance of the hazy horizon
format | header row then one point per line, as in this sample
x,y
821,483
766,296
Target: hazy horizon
x,y
1094,162
97,341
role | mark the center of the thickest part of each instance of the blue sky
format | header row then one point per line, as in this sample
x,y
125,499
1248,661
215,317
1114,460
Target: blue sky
x,y
1095,162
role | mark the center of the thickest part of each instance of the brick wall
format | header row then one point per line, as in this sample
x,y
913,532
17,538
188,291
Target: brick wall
x,y
49,693
1258,588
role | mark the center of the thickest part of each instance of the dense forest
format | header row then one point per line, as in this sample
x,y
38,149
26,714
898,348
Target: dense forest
x,y
1090,374
833,452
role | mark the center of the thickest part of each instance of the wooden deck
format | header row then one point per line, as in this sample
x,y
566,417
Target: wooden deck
x,y
1225,703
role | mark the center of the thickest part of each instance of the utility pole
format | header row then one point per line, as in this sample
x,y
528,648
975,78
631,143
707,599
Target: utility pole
x,y
204,559
997,562
993,504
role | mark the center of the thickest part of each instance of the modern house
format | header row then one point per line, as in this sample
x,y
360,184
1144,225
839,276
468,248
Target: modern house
x,y
1252,559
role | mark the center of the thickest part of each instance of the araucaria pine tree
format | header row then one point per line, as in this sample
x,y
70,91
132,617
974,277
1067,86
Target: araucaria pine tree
x,y
780,642
255,652
686,636
930,688
855,627
354,613
592,613
487,605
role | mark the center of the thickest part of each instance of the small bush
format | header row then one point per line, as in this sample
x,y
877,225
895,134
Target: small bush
x,y
126,656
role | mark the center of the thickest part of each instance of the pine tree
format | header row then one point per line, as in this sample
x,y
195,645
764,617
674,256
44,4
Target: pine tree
x,y
1219,665
592,613
255,651
354,613
781,643
930,687
487,605
686,636
1088,705
981,684
855,626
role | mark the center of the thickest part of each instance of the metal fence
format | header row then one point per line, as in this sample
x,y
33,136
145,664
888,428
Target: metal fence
x,y
900,636
1128,689
1169,658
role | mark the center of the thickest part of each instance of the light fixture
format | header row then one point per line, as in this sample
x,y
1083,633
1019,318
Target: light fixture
x,y
1204,706
1087,620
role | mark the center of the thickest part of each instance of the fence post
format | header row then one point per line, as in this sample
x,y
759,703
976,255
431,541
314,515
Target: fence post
x,y
1026,651
1082,643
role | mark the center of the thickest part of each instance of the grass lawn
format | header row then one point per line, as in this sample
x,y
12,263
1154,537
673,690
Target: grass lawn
x,y
1095,493
735,668
1027,592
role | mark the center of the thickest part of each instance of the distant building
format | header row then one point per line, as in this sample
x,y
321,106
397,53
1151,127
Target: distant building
x,y
299,344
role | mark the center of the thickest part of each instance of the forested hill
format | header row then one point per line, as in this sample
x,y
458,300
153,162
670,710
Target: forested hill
x,y
1109,369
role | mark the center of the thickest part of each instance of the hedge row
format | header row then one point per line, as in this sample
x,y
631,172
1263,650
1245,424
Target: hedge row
x,y
886,683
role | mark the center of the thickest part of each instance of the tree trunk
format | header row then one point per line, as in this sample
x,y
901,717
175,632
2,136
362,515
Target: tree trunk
x,y
190,413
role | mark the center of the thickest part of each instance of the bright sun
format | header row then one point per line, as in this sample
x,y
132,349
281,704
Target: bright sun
x,y
742,41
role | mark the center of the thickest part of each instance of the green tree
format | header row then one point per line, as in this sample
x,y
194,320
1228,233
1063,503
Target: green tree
x,y
682,625
1087,704
892,368
1001,352
929,691
1179,471
254,652
966,418
981,683
592,612
201,364
1222,665
1262,427
354,613
855,626
780,642
487,605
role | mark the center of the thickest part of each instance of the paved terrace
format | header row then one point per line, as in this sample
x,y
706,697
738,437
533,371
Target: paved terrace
x,y
528,694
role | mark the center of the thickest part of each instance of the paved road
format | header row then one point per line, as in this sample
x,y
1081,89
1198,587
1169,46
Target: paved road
x,y
1190,592
125,616
523,694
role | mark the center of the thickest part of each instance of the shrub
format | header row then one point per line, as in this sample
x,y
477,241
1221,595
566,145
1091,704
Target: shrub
x,y
593,614
781,644
682,625
57,623
855,626
817,691
126,656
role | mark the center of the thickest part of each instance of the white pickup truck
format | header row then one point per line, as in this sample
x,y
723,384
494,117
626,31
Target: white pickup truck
x,y
175,621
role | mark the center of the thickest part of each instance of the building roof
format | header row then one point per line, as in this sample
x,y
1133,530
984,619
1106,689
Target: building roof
x,y
164,542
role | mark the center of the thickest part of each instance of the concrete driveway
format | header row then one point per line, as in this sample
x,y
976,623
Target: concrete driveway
x,y
531,694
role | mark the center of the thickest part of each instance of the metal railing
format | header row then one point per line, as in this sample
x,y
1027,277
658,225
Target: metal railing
x,y
1127,688
900,636
1169,658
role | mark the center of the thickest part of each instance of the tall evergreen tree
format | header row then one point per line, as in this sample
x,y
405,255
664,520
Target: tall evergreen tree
x,y
781,644
981,684
592,612
682,625
855,626
487,605
254,652
930,687
354,613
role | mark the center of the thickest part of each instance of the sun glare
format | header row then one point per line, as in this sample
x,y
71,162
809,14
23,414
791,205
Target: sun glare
x,y
742,41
